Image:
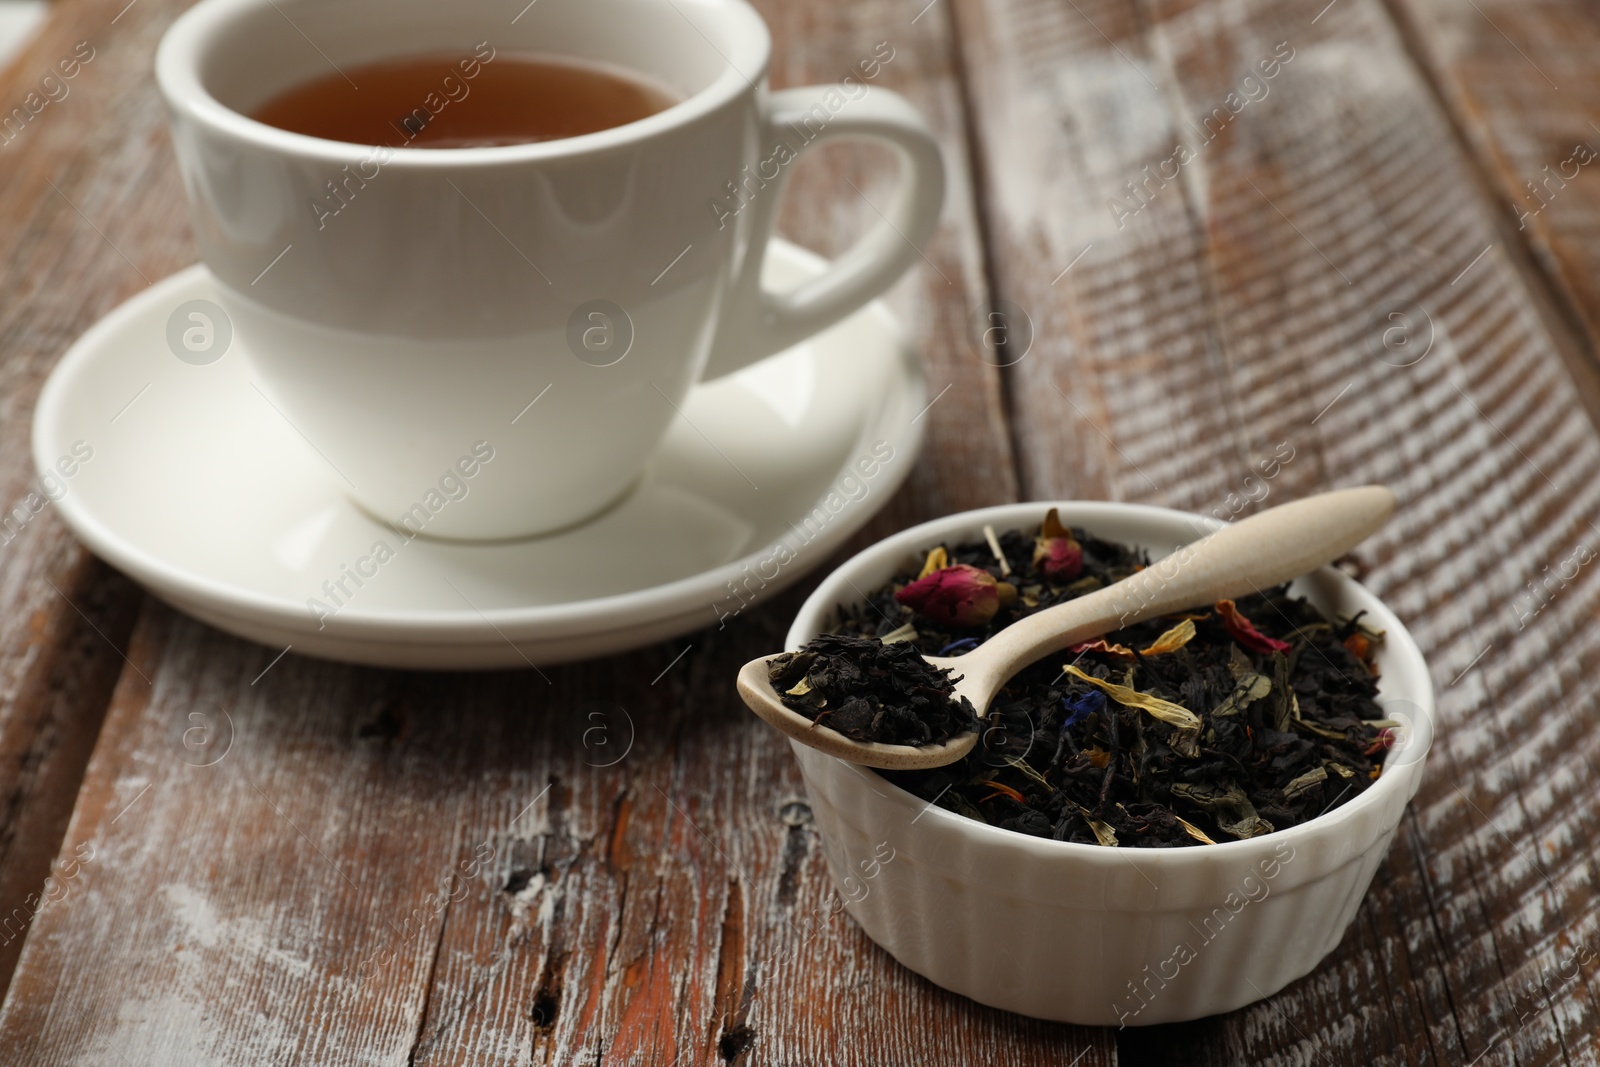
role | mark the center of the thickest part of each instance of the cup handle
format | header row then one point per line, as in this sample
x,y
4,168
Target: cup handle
x,y
756,322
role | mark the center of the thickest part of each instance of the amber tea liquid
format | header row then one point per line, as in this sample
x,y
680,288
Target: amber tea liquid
x,y
447,101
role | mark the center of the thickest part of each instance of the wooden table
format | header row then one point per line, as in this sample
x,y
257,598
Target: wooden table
x,y
1367,204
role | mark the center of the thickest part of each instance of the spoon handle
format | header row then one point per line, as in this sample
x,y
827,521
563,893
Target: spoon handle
x,y
1264,550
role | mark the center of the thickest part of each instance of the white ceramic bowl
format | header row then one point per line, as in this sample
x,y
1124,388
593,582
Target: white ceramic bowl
x,y
1093,935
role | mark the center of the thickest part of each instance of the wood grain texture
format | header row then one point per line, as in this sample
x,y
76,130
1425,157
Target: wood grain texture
x,y
1242,299
839,190
63,615
1520,81
337,865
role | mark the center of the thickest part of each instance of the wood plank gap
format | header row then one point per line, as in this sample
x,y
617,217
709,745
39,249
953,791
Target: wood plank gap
x,y
1408,826
428,988
984,224
66,697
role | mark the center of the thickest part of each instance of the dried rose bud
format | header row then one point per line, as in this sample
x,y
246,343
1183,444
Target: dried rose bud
x,y
1056,554
955,596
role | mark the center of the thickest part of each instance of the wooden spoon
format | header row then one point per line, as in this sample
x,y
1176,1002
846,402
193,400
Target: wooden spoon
x,y
1267,549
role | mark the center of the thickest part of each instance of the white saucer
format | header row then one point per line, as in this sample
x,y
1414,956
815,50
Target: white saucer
x,y
200,490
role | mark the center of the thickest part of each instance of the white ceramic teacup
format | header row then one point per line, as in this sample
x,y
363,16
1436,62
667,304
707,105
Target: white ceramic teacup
x,y
402,307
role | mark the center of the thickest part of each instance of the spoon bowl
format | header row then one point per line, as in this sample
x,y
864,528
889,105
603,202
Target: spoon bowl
x,y
1267,549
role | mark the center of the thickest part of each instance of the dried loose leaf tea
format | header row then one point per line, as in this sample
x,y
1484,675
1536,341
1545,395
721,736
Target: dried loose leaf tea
x,y
870,690
1222,723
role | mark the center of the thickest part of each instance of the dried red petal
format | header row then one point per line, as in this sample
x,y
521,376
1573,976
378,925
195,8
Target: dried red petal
x,y
1056,554
1245,632
953,596
1001,790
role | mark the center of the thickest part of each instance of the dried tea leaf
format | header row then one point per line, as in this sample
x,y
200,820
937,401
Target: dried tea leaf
x,y
1320,731
1165,710
871,691
1246,826
1228,805
1239,664
1251,688
1056,742
1306,782
1282,694
784,671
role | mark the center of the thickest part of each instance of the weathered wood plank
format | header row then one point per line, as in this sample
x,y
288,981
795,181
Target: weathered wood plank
x,y
339,865
839,190
63,615
1519,80
61,668
1240,300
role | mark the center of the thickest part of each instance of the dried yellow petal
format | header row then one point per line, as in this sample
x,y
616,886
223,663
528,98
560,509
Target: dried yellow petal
x,y
1052,526
1103,833
1099,645
1165,710
1172,640
937,560
907,632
